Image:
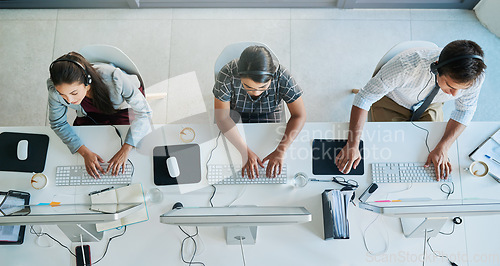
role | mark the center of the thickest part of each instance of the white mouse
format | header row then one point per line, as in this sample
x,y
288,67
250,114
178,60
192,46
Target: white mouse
x,y
173,167
22,150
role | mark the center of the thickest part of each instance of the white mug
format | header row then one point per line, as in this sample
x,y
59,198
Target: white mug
x,y
478,169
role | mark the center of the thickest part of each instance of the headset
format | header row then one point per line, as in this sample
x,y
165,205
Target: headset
x,y
87,78
435,66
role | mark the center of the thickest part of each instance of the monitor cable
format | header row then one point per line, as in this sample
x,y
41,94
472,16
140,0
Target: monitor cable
x,y
109,241
426,240
240,238
188,236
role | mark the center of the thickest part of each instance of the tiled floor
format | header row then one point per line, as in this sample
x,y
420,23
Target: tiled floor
x,y
329,51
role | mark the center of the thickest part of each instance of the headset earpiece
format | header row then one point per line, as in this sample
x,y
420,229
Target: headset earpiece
x,y
434,69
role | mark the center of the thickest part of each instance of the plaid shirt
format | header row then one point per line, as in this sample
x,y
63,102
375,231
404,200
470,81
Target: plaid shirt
x,y
267,108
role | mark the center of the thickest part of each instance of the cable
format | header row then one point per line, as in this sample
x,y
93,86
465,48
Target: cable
x,y
426,137
242,253
450,233
366,244
242,190
206,166
437,255
32,231
450,190
188,236
425,237
424,87
109,241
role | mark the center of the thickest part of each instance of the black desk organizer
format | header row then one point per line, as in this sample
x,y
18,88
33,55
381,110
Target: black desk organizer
x,y
37,152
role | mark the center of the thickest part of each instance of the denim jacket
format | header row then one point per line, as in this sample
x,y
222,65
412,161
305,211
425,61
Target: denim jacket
x,y
123,92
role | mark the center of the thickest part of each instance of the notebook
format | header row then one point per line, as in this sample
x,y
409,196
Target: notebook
x,y
128,194
490,147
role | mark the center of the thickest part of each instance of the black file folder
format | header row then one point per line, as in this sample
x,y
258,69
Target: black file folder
x,y
335,222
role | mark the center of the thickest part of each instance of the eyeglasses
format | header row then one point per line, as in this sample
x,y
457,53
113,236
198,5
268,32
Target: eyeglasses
x,y
348,184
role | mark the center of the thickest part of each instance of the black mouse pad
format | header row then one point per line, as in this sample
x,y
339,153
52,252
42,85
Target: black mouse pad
x,y
324,152
188,159
37,152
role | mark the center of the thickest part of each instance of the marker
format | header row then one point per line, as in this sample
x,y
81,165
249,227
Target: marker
x,y
493,159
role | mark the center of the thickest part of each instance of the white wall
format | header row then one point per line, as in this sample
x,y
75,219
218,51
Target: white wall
x,y
487,11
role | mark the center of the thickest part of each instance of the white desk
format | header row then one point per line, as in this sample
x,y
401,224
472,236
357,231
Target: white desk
x,y
152,243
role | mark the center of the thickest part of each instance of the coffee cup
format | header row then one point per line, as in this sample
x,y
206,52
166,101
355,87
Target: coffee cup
x,y
478,169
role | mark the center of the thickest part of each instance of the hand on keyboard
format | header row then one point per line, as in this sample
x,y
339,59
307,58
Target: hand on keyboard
x,y
275,163
92,161
442,165
119,159
251,167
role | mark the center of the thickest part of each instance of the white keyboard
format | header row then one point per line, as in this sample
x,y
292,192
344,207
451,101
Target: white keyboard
x,y
76,175
222,174
404,173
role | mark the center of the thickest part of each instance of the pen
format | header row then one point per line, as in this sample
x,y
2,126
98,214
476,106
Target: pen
x,y
493,159
319,180
100,191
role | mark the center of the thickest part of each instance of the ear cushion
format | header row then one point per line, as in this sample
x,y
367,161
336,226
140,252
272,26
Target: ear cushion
x,y
434,68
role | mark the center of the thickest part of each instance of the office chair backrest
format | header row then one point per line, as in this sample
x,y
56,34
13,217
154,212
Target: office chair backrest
x,y
109,54
400,47
233,51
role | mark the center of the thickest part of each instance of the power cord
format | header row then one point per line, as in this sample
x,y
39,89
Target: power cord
x,y
437,255
188,236
242,253
109,241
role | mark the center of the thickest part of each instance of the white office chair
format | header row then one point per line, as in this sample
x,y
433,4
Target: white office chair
x,y
233,51
398,48
110,54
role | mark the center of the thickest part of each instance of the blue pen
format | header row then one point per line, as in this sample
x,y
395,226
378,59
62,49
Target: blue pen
x,y
493,159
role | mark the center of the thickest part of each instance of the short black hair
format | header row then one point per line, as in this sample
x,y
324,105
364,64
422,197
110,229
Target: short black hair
x,y
464,70
256,58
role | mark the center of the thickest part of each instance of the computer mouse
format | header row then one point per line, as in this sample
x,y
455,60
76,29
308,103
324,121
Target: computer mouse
x,y
173,167
22,150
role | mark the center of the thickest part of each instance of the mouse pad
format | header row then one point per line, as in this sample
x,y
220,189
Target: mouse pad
x,y
37,152
324,152
188,159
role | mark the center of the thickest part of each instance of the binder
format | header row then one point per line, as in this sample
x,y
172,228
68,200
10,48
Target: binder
x,y
335,205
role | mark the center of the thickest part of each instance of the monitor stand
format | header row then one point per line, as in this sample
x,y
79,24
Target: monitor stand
x,y
247,234
416,227
88,232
